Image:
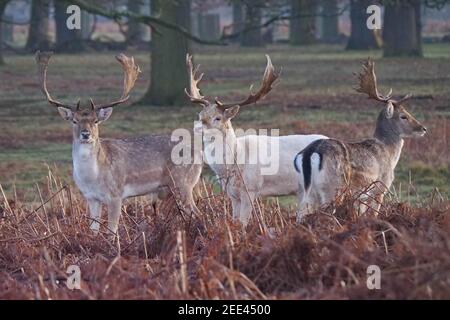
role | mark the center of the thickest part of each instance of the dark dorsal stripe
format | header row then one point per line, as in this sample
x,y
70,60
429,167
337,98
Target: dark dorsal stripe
x,y
295,162
306,163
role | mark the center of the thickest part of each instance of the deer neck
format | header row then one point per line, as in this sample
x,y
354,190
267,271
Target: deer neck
x,y
390,138
228,146
86,158
230,139
386,132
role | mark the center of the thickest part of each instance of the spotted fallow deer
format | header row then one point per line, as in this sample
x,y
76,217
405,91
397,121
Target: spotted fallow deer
x,y
327,168
245,181
107,171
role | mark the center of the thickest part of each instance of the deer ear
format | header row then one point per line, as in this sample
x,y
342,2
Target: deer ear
x,y
389,110
104,114
231,112
65,113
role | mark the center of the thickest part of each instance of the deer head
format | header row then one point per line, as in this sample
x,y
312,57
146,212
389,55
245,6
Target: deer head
x,y
394,119
217,115
85,121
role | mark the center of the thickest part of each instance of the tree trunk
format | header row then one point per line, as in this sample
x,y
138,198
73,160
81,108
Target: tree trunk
x,y
3,4
402,29
418,16
361,38
302,30
87,22
208,26
66,40
330,21
238,19
169,75
38,35
252,37
136,31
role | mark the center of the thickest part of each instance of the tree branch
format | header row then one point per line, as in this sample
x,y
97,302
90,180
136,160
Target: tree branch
x,y
283,17
145,19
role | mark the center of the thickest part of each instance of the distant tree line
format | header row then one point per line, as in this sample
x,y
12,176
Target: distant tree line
x,y
170,21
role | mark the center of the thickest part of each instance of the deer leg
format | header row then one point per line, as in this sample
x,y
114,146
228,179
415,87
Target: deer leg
x,y
95,210
308,206
114,210
236,207
246,208
375,203
187,199
303,198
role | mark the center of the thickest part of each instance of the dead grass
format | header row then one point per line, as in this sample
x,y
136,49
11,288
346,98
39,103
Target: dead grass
x,y
44,230
169,255
315,95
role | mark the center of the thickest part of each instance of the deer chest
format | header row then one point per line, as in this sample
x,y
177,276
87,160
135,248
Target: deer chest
x,y
86,176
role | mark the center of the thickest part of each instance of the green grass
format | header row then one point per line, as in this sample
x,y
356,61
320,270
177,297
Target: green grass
x,y
314,95
424,179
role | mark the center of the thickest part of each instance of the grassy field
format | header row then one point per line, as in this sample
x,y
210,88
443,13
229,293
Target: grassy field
x,y
164,254
315,95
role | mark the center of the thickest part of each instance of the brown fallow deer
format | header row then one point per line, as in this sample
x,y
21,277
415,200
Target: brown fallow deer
x,y
329,167
107,171
245,181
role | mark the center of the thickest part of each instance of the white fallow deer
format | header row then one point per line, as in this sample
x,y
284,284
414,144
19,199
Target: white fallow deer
x,y
244,181
107,171
330,168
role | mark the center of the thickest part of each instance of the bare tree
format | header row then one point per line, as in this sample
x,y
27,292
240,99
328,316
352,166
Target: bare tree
x,y
252,37
66,39
402,33
136,30
302,29
238,17
38,35
3,4
330,21
361,38
169,76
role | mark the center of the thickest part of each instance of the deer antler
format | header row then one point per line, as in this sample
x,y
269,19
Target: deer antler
x,y
406,97
268,80
131,72
42,59
194,92
368,82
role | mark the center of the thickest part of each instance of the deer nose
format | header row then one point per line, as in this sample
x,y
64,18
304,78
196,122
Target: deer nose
x,y
85,135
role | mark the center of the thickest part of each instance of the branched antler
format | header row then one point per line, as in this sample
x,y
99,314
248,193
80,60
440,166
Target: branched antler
x,y
368,82
267,83
131,72
42,59
194,92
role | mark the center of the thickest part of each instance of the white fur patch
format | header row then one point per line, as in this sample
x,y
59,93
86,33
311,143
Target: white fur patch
x,y
299,163
315,162
85,170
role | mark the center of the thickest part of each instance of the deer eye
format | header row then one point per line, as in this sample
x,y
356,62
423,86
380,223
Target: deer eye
x,y
217,119
74,122
96,121
403,117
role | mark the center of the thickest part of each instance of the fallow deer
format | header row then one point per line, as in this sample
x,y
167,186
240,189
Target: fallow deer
x,y
244,182
329,167
107,171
